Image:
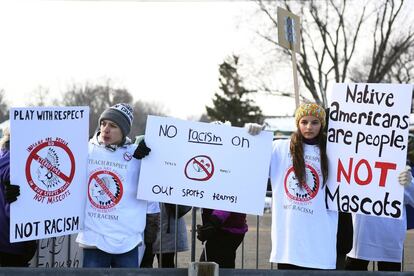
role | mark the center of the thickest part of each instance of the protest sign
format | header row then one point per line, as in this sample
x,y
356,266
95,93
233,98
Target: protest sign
x,y
205,165
289,38
367,147
48,160
288,30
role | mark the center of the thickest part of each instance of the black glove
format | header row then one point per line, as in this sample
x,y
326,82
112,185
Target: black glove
x,y
205,232
209,229
142,150
11,192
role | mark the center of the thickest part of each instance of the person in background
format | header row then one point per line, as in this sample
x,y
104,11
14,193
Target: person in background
x,y
151,229
11,254
165,246
381,239
221,233
114,218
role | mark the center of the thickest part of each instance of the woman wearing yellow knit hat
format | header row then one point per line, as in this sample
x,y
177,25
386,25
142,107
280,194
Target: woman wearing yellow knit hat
x,y
303,229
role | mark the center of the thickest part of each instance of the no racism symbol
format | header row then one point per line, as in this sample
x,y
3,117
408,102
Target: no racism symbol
x,y
105,189
44,171
199,168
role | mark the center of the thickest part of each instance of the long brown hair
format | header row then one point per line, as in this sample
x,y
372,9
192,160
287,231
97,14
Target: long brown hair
x,y
296,151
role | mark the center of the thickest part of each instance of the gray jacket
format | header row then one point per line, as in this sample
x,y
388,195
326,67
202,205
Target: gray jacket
x,y
168,239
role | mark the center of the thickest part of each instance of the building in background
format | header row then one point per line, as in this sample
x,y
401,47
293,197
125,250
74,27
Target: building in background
x,y
281,126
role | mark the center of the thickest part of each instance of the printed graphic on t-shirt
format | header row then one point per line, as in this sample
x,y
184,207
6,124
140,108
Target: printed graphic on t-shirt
x,y
302,192
104,189
127,156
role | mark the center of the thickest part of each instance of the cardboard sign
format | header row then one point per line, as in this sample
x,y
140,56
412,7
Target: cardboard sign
x,y
48,160
367,147
288,29
205,165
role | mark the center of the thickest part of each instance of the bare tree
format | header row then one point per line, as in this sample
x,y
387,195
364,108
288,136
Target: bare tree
x,y
331,33
141,111
97,97
390,58
40,97
403,70
100,97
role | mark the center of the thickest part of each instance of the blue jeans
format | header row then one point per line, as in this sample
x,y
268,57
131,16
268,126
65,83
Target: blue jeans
x,y
99,258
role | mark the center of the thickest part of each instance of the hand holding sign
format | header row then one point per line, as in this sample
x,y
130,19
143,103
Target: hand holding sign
x,y
11,191
142,150
405,177
208,229
253,128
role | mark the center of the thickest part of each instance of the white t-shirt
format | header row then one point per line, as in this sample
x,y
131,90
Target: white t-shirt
x,y
153,207
114,218
381,239
303,230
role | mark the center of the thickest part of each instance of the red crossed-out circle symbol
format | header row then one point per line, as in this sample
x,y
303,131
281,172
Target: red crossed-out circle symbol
x,y
52,170
105,189
200,168
306,191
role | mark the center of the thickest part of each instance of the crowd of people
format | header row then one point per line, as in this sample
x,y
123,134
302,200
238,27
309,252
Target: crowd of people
x,y
304,233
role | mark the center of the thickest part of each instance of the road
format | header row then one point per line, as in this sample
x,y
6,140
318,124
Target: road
x,y
247,256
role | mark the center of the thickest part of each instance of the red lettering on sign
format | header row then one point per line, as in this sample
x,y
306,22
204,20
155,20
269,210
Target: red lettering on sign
x,y
384,166
350,171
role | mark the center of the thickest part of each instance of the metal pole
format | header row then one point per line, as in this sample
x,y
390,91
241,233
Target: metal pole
x,y
242,255
193,233
37,253
160,254
176,237
68,260
53,250
257,242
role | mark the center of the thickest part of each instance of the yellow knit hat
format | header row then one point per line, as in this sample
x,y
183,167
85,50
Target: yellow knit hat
x,y
310,109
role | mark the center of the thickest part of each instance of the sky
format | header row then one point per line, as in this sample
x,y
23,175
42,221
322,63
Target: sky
x,y
165,53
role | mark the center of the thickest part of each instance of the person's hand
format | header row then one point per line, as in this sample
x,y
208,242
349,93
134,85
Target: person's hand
x,y
11,192
208,229
142,150
405,177
253,128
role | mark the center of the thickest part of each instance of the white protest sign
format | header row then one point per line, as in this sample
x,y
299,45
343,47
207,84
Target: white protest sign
x,y
48,159
205,165
367,147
